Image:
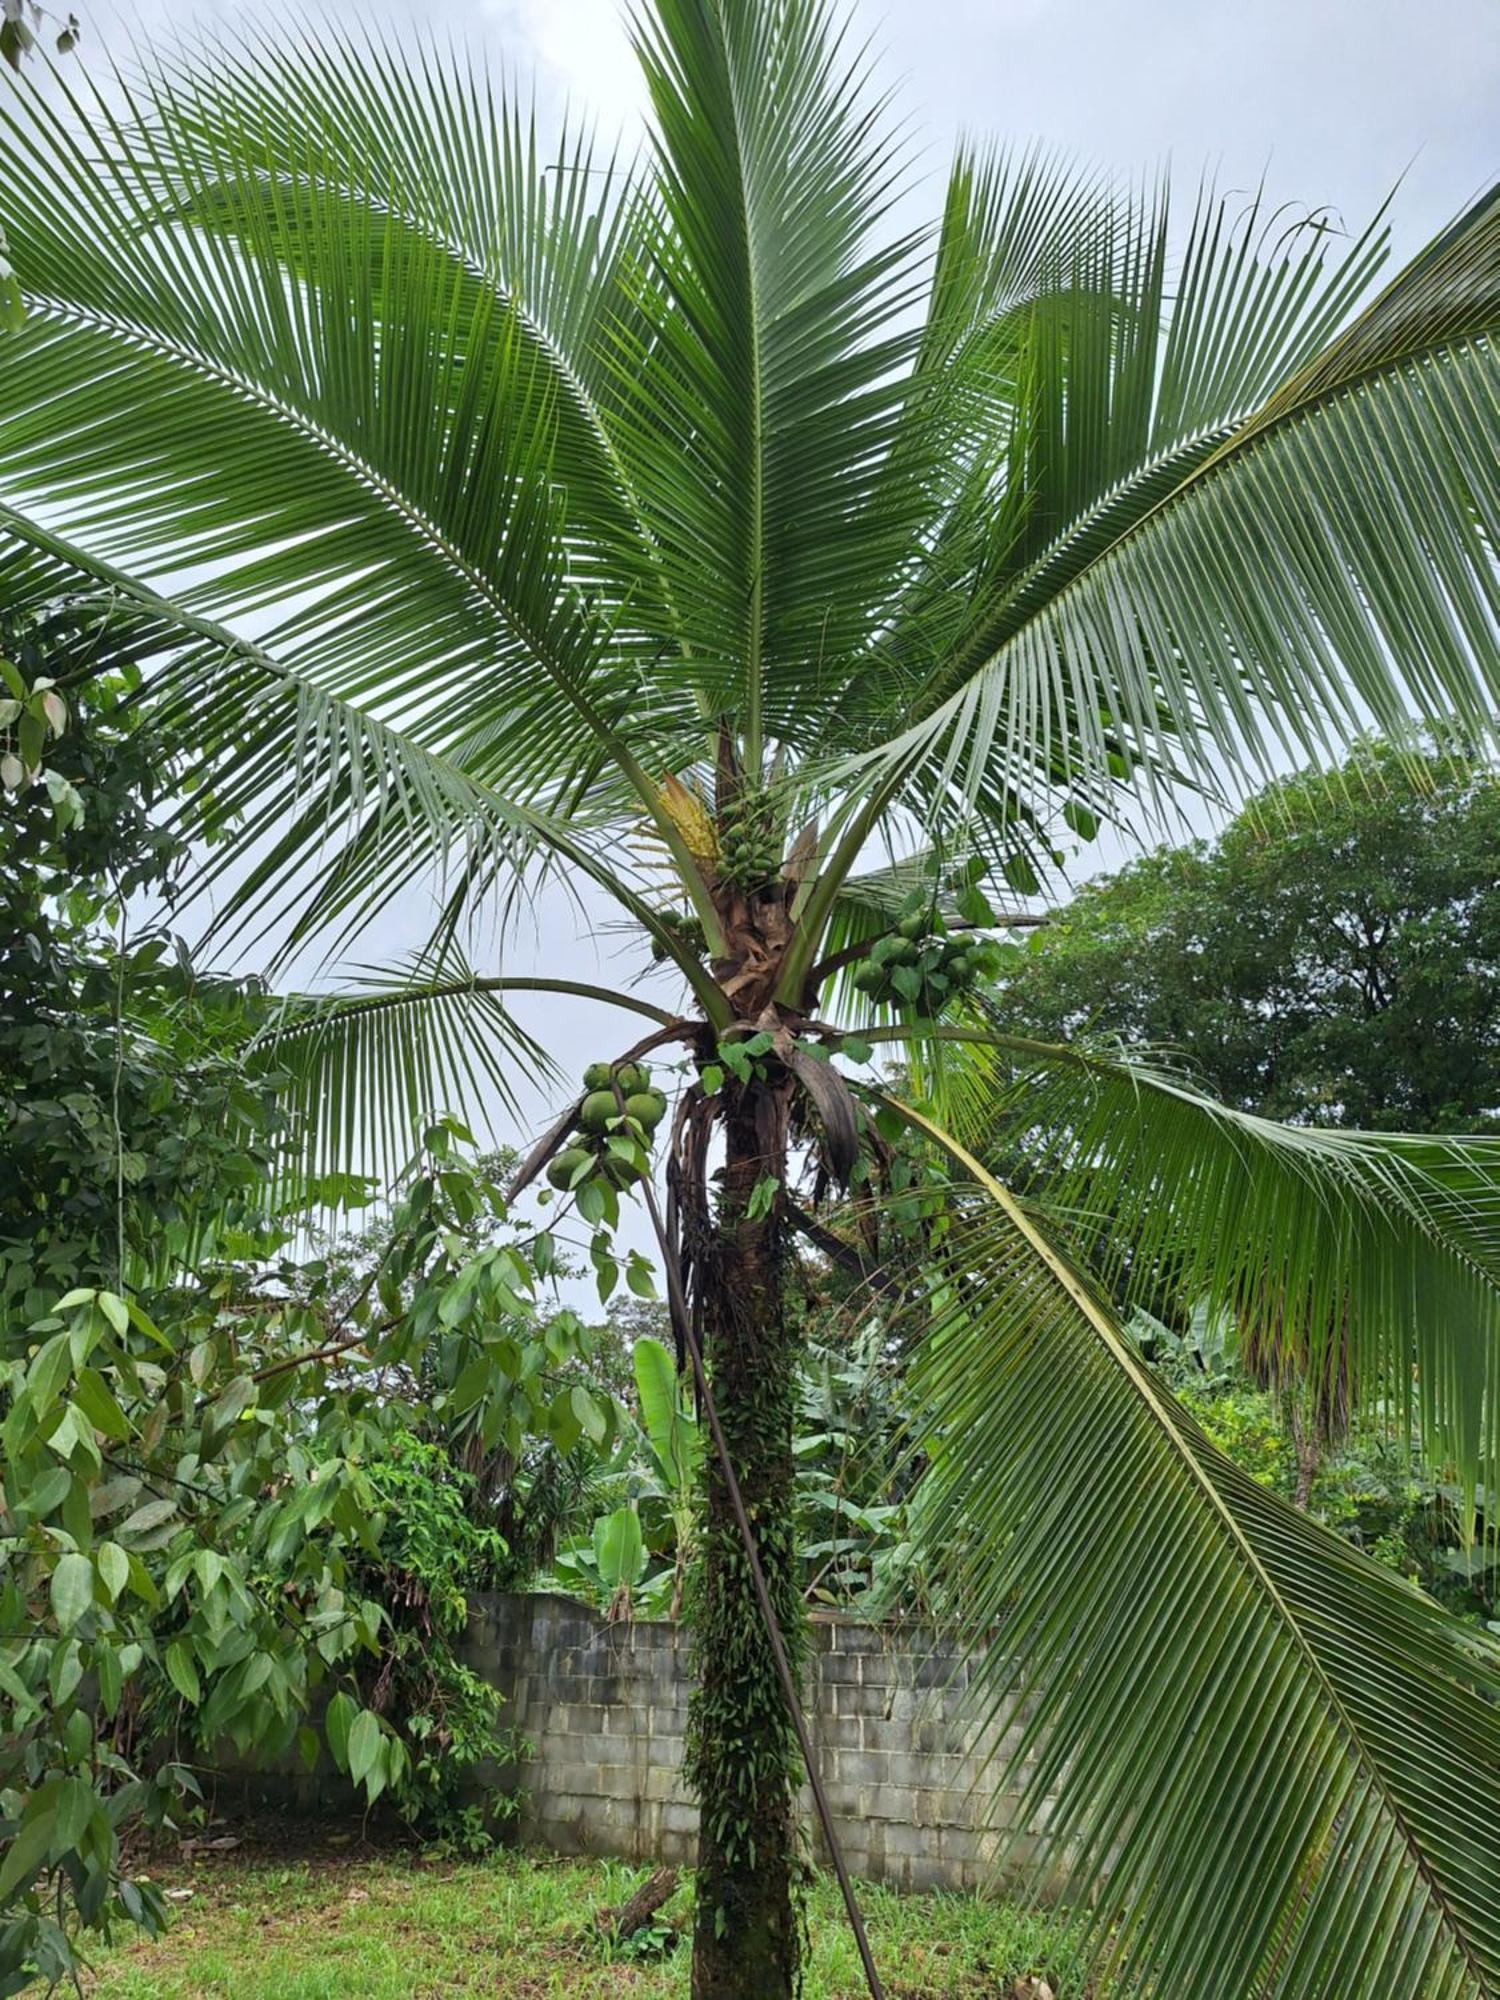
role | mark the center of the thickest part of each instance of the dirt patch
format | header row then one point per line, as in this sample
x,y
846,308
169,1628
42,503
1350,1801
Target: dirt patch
x,y
271,1839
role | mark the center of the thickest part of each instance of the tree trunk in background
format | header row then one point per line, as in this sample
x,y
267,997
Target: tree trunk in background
x,y
1307,1442
742,1754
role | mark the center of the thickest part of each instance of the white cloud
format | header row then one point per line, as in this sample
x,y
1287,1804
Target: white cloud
x,y
580,51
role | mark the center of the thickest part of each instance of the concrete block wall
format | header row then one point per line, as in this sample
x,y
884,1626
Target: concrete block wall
x,y
604,1708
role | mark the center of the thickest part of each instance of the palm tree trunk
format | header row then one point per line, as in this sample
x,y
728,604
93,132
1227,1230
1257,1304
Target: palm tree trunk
x,y
742,1758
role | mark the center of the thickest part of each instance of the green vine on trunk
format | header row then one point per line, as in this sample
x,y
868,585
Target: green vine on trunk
x,y
738,1722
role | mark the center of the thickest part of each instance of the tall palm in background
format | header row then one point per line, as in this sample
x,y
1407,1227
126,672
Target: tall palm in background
x,y
684,534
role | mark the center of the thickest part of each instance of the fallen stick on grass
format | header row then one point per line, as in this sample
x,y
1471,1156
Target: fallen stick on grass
x,y
623,1920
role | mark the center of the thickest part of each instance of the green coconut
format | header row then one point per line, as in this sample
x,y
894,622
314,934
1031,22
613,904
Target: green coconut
x,y
598,1108
562,1167
597,1076
869,979
646,1107
915,926
633,1077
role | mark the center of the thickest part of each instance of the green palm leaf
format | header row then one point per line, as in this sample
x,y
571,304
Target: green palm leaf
x,y
313,400
767,354
1265,1755
369,1066
1364,1252
1115,619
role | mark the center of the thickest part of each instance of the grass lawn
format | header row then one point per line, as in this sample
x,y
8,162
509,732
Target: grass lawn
x,y
393,1926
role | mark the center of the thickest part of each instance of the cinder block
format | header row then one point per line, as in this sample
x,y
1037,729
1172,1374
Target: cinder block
x,y
838,1668
960,1846
612,1690
869,1698
927,1872
843,1798
902,1839
839,1733
889,1802
664,1781
855,1638
618,1781
863,1767
625,1724
905,1767
934,1805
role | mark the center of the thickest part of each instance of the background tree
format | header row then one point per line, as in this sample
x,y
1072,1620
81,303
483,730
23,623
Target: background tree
x,y
504,515
1333,957
1362,992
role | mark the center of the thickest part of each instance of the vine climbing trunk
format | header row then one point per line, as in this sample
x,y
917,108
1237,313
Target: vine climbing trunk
x,y
742,1755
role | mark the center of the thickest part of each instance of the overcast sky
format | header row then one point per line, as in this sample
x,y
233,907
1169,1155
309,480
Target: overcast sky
x,y
1333,101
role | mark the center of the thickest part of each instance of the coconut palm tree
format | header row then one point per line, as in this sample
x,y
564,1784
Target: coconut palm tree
x,y
688,535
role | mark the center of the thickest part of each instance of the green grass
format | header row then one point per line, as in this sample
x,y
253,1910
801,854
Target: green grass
x,y
397,1927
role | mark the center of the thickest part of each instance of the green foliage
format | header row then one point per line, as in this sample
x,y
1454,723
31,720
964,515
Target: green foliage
x,y
1363,993
229,1490
631,1558
945,539
854,1467
430,1552
1370,1486
20,32
126,1121
217,1511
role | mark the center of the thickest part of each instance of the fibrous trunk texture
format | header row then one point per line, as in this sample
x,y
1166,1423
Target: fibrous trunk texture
x,y
742,1756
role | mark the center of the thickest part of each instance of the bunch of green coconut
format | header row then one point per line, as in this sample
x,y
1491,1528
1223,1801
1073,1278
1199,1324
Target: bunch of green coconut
x,y
919,966
590,1154
686,928
749,838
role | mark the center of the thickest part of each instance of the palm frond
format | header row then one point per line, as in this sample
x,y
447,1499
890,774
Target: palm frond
x,y
368,1066
1369,1252
331,812
276,387
1242,535
762,379
1261,1763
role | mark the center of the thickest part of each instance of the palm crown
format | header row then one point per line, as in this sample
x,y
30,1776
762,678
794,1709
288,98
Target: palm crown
x,y
490,511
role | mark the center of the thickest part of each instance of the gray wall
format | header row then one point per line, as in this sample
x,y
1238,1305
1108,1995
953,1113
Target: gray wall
x,y
604,1707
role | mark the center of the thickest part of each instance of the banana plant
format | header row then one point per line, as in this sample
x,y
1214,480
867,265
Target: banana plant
x,y
611,1565
686,534
673,1433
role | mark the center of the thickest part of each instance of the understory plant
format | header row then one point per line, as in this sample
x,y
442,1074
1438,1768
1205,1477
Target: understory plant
x,y
231,1519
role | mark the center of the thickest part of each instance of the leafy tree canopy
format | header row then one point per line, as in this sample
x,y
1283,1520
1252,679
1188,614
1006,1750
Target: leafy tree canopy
x,y
1333,957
